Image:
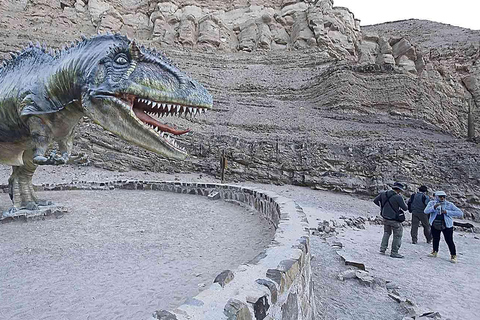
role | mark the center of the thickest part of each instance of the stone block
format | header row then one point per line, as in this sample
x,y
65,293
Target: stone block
x,y
349,261
237,310
347,274
365,278
290,308
290,268
260,308
271,286
304,244
224,277
214,195
164,315
276,276
396,297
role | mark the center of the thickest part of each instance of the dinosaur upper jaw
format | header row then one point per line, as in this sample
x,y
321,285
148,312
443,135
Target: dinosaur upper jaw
x,y
134,119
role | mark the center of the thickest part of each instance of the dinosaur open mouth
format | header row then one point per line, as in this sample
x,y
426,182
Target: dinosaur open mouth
x,y
145,110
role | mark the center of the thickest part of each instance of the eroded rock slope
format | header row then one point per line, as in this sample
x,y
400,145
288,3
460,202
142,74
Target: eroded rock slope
x,y
303,94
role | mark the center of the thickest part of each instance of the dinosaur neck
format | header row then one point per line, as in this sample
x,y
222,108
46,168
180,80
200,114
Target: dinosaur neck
x,y
67,80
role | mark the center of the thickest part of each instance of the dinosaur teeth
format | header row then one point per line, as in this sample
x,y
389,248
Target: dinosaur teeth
x,y
154,104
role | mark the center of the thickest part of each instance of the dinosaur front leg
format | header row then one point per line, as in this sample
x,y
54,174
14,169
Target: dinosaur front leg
x,y
65,146
40,135
41,140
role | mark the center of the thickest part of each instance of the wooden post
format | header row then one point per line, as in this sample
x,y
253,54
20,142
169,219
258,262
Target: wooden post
x,y
223,166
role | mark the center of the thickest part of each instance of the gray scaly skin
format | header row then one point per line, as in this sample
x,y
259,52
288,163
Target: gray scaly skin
x,y
109,79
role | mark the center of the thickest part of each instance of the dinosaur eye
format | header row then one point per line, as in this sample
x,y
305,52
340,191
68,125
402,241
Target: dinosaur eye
x,y
121,60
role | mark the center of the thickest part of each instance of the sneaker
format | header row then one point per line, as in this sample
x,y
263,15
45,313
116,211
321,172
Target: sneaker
x,y
396,255
433,254
453,259
414,241
429,241
382,252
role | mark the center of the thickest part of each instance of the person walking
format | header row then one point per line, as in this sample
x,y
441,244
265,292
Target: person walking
x,y
441,212
391,204
416,205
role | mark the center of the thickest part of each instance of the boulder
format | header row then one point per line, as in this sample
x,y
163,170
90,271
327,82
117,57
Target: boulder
x,y
247,38
187,30
110,20
385,59
96,8
368,51
302,36
405,63
403,47
384,45
264,36
209,32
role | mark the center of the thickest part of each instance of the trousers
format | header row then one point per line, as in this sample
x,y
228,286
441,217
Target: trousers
x,y
448,235
389,227
418,218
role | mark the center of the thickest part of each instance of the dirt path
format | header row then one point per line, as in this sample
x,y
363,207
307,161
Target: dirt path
x,y
433,284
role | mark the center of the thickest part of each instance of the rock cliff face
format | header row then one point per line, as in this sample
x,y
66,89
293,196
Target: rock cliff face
x,y
303,94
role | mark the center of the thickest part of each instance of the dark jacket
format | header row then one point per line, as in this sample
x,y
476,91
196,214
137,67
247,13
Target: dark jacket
x,y
390,210
419,203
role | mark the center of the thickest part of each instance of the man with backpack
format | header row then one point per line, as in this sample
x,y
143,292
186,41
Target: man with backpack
x,y
416,205
391,204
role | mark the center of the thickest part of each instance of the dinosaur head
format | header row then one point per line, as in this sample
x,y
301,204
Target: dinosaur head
x,y
130,88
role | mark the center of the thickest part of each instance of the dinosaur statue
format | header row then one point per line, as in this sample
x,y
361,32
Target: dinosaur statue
x,y
108,78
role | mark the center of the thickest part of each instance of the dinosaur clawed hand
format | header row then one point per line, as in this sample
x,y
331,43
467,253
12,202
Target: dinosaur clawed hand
x,y
53,159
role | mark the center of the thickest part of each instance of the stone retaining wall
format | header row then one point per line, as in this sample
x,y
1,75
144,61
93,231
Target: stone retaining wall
x,y
276,284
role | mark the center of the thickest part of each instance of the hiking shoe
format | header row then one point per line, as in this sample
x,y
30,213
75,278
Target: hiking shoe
x,y
433,254
453,259
396,255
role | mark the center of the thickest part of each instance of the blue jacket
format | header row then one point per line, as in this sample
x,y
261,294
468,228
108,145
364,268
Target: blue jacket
x,y
452,211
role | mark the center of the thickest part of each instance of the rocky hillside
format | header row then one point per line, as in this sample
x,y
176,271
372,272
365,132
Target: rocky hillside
x,y
303,94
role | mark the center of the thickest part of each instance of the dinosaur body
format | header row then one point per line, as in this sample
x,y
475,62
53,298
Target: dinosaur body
x,y
108,78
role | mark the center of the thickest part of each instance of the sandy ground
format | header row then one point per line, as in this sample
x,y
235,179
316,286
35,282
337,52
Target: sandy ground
x,y
433,284
124,258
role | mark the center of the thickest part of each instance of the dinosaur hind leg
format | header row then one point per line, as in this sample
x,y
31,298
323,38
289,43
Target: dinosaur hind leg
x,y
21,187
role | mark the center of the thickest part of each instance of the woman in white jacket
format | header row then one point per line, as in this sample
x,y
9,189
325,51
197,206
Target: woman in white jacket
x,y
441,212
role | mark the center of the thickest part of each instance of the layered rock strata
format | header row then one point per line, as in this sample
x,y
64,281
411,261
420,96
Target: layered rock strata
x,y
303,94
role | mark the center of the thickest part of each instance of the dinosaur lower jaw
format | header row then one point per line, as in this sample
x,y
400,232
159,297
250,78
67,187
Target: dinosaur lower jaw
x,y
145,110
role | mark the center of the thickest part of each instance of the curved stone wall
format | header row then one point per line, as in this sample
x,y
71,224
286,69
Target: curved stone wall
x,y
276,284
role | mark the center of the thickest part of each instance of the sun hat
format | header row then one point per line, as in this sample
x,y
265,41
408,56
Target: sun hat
x,y
423,189
398,185
440,193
